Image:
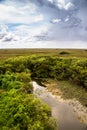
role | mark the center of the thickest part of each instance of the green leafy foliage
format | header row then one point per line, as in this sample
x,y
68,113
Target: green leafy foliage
x,y
9,81
73,69
19,108
15,80
23,112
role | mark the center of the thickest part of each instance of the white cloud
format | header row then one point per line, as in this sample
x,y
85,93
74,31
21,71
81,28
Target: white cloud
x,y
10,37
3,28
38,18
29,7
62,4
67,19
51,1
22,33
46,44
29,33
31,20
6,35
56,20
24,15
9,9
69,6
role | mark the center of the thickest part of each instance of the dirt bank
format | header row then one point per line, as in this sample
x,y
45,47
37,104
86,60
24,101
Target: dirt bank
x,y
63,112
79,109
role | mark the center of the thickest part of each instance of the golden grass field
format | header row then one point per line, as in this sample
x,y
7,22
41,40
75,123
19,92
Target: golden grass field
x,y
6,53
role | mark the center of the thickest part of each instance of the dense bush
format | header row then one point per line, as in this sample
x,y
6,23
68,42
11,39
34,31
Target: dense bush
x,y
19,108
73,69
20,111
15,80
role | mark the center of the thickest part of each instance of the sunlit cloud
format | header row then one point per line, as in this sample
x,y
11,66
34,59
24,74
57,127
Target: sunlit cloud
x,y
39,23
22,15
56,20
62,4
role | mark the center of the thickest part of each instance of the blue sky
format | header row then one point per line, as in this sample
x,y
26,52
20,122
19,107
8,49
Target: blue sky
x,y
43,24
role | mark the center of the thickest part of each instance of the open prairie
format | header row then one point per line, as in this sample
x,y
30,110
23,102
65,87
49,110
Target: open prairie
x,y
6,53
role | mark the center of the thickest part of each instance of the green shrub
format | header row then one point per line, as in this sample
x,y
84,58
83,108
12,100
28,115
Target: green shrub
x,y
20,111
47,67
64,53
16,81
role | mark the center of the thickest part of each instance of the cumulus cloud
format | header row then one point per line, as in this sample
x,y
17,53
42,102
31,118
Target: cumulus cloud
x,y
24,15
62,4
56,20
10,37
6,35
24,33
43,20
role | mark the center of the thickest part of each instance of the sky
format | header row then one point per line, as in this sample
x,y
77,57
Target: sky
x,y
43,24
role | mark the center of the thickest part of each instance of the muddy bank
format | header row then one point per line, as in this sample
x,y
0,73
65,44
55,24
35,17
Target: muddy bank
x,y
64,112
78,108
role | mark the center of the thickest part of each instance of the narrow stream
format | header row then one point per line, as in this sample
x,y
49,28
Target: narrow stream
x,y
64,113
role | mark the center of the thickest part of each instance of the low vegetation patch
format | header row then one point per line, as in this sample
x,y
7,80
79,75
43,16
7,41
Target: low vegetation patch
x,y
70,93
67,90
19,109
64,53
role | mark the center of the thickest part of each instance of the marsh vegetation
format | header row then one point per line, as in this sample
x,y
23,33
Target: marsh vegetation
x,y
19,107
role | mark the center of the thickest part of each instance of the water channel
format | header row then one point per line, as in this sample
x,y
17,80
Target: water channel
x,y
63,112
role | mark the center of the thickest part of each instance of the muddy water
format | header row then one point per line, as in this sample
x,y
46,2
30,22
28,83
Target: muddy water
x,y
67,119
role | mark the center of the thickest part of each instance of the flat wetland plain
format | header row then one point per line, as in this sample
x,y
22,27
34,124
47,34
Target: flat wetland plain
x,y
62,89
6,53
65,53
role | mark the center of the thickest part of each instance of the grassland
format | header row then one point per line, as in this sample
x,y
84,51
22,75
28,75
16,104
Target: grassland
x,y
6,53
69,90
66,69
